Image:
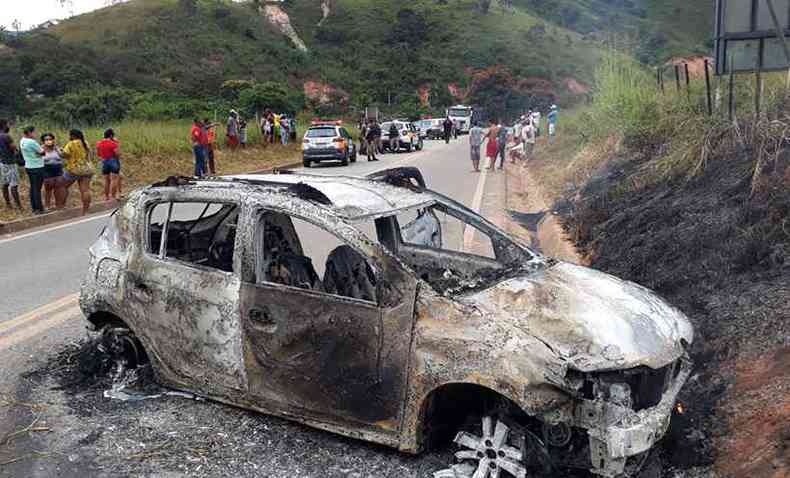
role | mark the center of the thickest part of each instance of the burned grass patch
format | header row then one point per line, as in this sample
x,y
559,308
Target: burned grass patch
x,y
715,243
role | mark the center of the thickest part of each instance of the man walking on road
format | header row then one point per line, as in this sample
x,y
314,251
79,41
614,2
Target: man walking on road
x,y
501,142
448,129
373,135
394,135
476,137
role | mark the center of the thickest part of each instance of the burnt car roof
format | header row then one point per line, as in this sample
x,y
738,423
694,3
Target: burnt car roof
x,y
352,198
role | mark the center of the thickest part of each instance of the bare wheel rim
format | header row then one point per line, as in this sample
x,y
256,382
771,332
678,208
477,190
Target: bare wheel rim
x,y
487,456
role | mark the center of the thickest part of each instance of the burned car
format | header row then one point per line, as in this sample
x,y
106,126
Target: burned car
x,y
378,309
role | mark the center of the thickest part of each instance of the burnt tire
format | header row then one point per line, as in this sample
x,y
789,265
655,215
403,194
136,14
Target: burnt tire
x,y
121,346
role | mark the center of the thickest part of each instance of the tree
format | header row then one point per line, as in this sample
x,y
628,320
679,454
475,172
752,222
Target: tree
x,y
13,98
410,29
190,6
272,95
232,89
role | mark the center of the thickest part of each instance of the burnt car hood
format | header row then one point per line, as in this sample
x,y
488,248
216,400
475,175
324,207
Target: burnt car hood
x,y
592,321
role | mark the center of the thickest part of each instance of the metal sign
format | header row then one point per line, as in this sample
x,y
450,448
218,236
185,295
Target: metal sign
x,y
746,35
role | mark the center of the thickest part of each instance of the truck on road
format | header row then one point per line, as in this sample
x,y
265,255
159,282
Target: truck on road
x,y
461,116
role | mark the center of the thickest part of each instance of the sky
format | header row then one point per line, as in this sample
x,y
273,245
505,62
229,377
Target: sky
x,y
35,12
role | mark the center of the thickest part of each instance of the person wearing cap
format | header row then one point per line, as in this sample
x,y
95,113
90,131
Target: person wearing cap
x,y
552,119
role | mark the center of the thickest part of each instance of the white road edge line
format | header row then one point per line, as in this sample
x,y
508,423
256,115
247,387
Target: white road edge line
x,y
477,202
55,228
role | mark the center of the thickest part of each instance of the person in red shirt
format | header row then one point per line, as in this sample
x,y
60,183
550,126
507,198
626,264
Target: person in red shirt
x,y
199,140
109,153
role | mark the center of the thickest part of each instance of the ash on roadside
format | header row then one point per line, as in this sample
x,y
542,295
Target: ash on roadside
x,y
150,432
718,247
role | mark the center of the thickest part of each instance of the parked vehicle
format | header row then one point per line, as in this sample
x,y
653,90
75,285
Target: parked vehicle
x,y
435,130
409,139
363,306
328,141
422,127
461,117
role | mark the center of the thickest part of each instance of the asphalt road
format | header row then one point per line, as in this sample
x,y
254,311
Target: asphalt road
x,y
42,266
54,420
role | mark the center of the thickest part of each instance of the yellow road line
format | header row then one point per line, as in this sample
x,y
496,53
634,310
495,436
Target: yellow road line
x,y
39,327
68,301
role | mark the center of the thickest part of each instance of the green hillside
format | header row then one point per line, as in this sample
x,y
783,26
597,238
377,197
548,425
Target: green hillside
x,y
657,29
375,51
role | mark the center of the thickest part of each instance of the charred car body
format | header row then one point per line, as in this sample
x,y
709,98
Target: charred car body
x,y
378,309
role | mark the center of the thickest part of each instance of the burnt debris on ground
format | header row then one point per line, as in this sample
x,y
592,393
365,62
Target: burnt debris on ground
x,y
717,246
173,435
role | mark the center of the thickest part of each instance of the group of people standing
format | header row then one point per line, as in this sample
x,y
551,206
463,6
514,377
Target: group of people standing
x,y
52,170
516,142
203,136
277,127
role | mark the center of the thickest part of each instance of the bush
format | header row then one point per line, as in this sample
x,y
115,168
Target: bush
x,y
161,106
92,106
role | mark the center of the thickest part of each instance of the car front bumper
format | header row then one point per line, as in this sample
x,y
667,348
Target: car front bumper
x,y
617,433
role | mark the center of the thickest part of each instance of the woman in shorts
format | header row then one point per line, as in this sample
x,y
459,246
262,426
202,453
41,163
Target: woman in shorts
x,y
54,187
78,167
109,153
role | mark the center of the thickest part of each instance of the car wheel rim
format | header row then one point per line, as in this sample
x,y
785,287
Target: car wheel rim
x,y
486,456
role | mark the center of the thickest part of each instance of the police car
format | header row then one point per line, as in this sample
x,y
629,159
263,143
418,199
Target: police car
x,y
328,141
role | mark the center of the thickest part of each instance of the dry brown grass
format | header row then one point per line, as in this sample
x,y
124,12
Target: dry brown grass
x,y
564,166
140,171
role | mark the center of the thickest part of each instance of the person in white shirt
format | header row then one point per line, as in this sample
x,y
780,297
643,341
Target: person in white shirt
x,y
536,122
528,139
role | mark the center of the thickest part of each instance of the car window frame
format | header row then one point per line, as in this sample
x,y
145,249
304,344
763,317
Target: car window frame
x,y
257,248
446,209
161,256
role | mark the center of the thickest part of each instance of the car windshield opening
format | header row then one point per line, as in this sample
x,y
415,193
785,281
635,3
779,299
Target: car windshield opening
x,y
321,133
451,251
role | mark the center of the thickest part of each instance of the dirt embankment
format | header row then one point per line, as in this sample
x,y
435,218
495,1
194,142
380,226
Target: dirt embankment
x,y
718,247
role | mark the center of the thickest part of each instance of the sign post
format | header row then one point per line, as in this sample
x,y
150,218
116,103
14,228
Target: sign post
x,y
751,34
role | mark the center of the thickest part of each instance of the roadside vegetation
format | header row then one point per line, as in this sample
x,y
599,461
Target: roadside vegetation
x,y
697,207
152,151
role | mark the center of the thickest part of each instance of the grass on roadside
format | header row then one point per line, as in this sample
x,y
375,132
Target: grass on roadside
x,y
667,135
153,151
